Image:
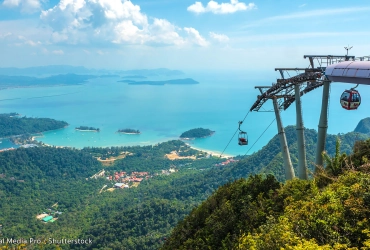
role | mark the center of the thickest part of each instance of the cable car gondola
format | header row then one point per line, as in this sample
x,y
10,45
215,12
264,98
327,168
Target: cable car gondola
x,y
350,99
243,136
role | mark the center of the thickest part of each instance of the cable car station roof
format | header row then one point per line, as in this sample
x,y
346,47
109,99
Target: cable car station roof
x,y
334,67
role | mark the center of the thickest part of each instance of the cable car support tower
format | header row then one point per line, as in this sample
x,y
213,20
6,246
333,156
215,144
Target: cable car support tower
x,y
330,69
288,90
288,167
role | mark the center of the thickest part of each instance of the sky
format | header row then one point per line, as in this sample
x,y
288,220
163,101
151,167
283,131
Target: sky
x,y
180,34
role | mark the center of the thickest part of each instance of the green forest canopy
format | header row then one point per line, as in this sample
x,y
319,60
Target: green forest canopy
x,y
363,126
197,133
136,218
10,125
330,211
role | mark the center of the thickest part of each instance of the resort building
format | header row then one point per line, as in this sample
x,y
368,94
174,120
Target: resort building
x,y
47,218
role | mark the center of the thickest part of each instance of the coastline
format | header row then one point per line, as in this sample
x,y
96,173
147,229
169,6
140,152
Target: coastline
x,y
128,133
210,152
193,138
214,153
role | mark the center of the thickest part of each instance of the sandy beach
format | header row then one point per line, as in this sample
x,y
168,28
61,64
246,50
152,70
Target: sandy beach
x,y
210,152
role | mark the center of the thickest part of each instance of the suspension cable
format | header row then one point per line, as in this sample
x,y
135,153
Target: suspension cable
x,y
234,134
259,137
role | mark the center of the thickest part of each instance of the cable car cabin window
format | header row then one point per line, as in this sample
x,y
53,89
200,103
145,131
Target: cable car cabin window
x,y
355,97
345,96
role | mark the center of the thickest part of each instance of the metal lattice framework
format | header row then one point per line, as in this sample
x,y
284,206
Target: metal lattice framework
x,y
286,91
311,79
284,88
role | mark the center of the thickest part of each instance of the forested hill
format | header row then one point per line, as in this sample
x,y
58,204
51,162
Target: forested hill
x,y
269,160
136,218
197,133
329,212
363,126
11,125
146,224
33,179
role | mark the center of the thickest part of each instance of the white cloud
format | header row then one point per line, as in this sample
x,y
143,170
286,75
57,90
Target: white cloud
x,y
2,36
219,37
109,21
162,31
195,37
29,6
18,40
11,3
302,5
307,14
222,8
58,52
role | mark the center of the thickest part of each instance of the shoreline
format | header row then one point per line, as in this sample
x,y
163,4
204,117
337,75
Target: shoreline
x,y
210,152
214,153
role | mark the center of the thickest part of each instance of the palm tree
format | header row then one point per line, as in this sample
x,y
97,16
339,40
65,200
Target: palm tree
x,y
334,166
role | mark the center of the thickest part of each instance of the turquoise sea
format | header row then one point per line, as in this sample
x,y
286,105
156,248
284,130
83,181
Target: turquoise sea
x,y
162,113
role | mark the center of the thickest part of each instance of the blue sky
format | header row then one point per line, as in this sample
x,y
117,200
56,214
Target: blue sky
x,y
186,34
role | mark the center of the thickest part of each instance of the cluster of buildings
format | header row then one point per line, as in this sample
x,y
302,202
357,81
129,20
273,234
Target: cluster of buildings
x,y
228,161
51,216
124,180
124,177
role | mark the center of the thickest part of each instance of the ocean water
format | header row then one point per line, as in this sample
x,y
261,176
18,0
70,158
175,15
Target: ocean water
x,y
162,113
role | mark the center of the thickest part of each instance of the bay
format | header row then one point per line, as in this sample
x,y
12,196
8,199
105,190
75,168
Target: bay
x,y
162,113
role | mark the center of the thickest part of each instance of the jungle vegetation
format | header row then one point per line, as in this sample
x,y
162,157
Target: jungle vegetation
x,y
33,179
330,211
197,133
11,125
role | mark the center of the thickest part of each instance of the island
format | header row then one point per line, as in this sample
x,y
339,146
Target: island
x,y
164,82
129,131
88,129
196,133
27,81
11,124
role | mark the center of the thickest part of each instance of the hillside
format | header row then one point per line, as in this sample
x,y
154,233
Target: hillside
x,y
33,179
329,212
12,125
363,126
197,133
134,218
269,160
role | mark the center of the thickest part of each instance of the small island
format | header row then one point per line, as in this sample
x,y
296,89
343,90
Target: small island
x,y
129,131
88,129
196,133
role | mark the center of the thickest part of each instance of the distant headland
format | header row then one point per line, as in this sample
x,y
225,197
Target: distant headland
x,y
11,124
129,131
196,133
134,77
164,82
88,129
